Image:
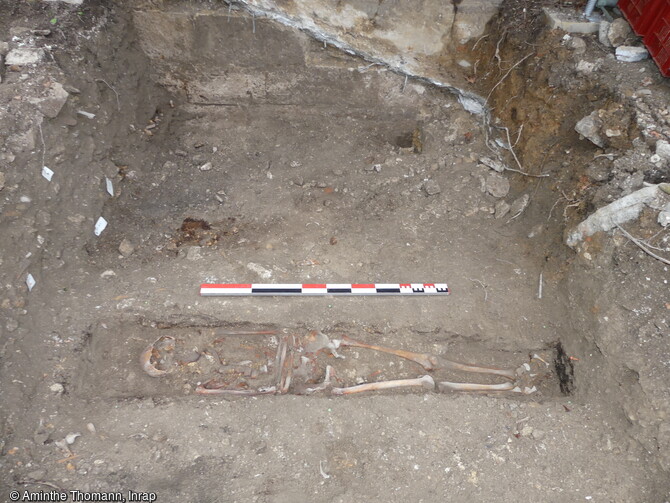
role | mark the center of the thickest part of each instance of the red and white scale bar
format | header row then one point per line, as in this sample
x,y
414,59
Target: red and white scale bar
x,y
223,290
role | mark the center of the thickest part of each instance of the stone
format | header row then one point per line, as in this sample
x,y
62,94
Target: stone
x,y
431,187
2,180
11,325
126,248
71,2
664,216
39,474
206,167
494,164
54,102
193,253
631,54
603,30
618,32
566,21
526,431
589,128
662,150
24,56
4,48
519,205
496,185
260,270
585,67
538,434
578,45
57,388
501,208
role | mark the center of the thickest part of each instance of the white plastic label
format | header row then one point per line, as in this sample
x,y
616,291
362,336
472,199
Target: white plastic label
x,y
30,282
47,173
100,226
110,186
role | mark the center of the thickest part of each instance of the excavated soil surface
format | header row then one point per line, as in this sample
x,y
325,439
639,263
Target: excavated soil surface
x,y
247,152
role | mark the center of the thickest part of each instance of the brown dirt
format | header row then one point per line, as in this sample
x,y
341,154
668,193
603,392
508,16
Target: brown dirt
x,y
318,174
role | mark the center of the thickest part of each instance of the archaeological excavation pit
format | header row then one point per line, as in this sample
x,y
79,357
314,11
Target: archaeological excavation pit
x,y
256,142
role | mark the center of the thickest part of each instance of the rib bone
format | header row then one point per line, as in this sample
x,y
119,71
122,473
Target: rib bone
x,y
426,382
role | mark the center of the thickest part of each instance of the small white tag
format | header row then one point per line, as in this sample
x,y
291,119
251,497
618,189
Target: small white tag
x,y
100,226
110,186
47,173
30,282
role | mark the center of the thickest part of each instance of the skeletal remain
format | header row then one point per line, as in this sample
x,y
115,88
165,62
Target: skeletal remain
x,y
463,386
323,385
145,357
427,382
202,389
431,362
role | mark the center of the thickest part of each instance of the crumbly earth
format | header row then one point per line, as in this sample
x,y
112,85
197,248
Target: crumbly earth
x,y
279,160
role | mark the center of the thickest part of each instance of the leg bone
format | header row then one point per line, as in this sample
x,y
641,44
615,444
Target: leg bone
x,y
426,382
431,362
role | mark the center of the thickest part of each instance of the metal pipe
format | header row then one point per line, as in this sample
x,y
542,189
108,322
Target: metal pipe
x,y
589,7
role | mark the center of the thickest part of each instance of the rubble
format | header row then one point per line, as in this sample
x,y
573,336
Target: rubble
x,y
620,211
631,54
496,185
589,127
431,187
619,30
24,56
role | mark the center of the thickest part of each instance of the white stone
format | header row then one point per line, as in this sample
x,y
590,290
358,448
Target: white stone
x,y
589,128
260,270
664,216
631,54
24,56
603,30
663,150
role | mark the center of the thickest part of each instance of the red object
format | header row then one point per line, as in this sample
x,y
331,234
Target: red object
x,y
651,20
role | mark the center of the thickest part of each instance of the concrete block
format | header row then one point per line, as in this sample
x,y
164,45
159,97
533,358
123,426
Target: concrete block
x,y
570,22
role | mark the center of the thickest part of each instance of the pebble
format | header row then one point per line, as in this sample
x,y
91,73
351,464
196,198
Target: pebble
x,y
501,208
11,325
206,167
432,188
496,185
260,270
39,474
193,253
126,248
57,388
519,205
2,180
526,431
537,434
107,274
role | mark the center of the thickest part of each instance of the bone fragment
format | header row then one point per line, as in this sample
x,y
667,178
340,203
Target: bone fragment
x,y
464,386
202,390
426,382
145,357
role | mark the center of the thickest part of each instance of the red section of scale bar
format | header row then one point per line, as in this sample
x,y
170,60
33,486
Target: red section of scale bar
x,y
314,286
362,286
207,285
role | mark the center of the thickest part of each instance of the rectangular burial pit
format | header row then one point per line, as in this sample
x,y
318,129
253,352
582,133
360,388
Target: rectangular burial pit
x,y
244,359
